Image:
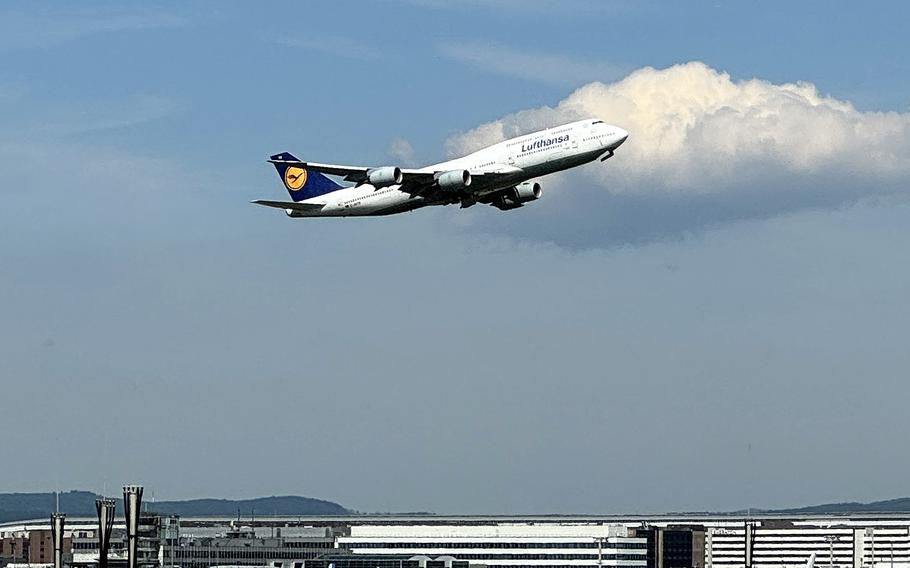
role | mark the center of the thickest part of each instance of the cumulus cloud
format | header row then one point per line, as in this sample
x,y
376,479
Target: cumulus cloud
x,y
714,150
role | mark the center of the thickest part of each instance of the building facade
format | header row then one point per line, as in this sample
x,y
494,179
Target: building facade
x,y
242,546
506,545
789,544
382,561
30,547
674,547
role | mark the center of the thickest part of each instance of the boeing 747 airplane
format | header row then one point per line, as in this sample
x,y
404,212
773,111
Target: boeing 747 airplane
x,y
501,175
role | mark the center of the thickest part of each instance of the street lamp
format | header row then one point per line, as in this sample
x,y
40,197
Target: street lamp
x,y
831,538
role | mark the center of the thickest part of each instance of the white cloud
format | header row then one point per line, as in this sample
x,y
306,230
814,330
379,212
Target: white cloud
x,y
562,9
21,30
534,66
401,151
695,129
104,114
706,150
339,46
53,143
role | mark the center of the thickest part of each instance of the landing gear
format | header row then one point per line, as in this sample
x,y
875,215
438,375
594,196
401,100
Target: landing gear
x,y
607,156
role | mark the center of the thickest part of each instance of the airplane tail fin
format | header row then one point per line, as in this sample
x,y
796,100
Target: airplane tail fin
x,y
301,183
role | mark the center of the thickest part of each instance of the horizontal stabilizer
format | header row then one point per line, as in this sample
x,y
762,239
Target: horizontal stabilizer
x,y
293,205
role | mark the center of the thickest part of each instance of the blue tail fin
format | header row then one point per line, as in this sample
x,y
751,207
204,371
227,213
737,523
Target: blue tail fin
x,y
300,183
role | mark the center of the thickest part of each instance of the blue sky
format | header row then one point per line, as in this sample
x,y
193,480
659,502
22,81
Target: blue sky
x,y
714,326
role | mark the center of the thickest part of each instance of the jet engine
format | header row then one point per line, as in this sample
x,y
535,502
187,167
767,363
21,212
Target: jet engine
x,y
454,180
515,197
385,176
526,191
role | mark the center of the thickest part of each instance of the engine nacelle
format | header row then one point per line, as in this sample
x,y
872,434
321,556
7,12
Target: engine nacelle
x,y
454,180
385,176
526,191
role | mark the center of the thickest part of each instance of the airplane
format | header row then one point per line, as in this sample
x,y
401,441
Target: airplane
x,y
502,175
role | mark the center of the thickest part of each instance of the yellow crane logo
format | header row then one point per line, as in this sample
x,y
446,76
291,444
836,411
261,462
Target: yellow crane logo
x,y
294,178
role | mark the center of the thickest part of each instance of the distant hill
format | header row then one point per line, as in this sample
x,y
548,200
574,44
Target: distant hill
x,y
900,505
24,506
287,505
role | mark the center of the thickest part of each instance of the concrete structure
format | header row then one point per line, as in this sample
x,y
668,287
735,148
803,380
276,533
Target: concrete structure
x,y
132,506
57,522
106,509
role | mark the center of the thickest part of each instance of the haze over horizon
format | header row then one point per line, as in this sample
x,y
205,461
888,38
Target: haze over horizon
x,y
714,319
76,503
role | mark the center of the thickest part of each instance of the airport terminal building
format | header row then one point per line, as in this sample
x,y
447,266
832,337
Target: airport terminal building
x,y
507,545
853,543
426,541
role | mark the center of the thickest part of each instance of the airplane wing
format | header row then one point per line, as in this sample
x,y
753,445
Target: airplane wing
x,y
289,205
413,180
353,173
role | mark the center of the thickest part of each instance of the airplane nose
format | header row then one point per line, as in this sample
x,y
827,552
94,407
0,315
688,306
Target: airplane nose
x,y
621,136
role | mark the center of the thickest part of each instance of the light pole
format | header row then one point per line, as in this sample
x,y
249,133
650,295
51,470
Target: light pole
x,y
831,538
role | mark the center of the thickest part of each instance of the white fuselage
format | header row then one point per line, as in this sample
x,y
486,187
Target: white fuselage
x,y
522,158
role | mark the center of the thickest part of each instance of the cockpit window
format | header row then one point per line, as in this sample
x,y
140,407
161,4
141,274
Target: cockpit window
x,y
598,122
